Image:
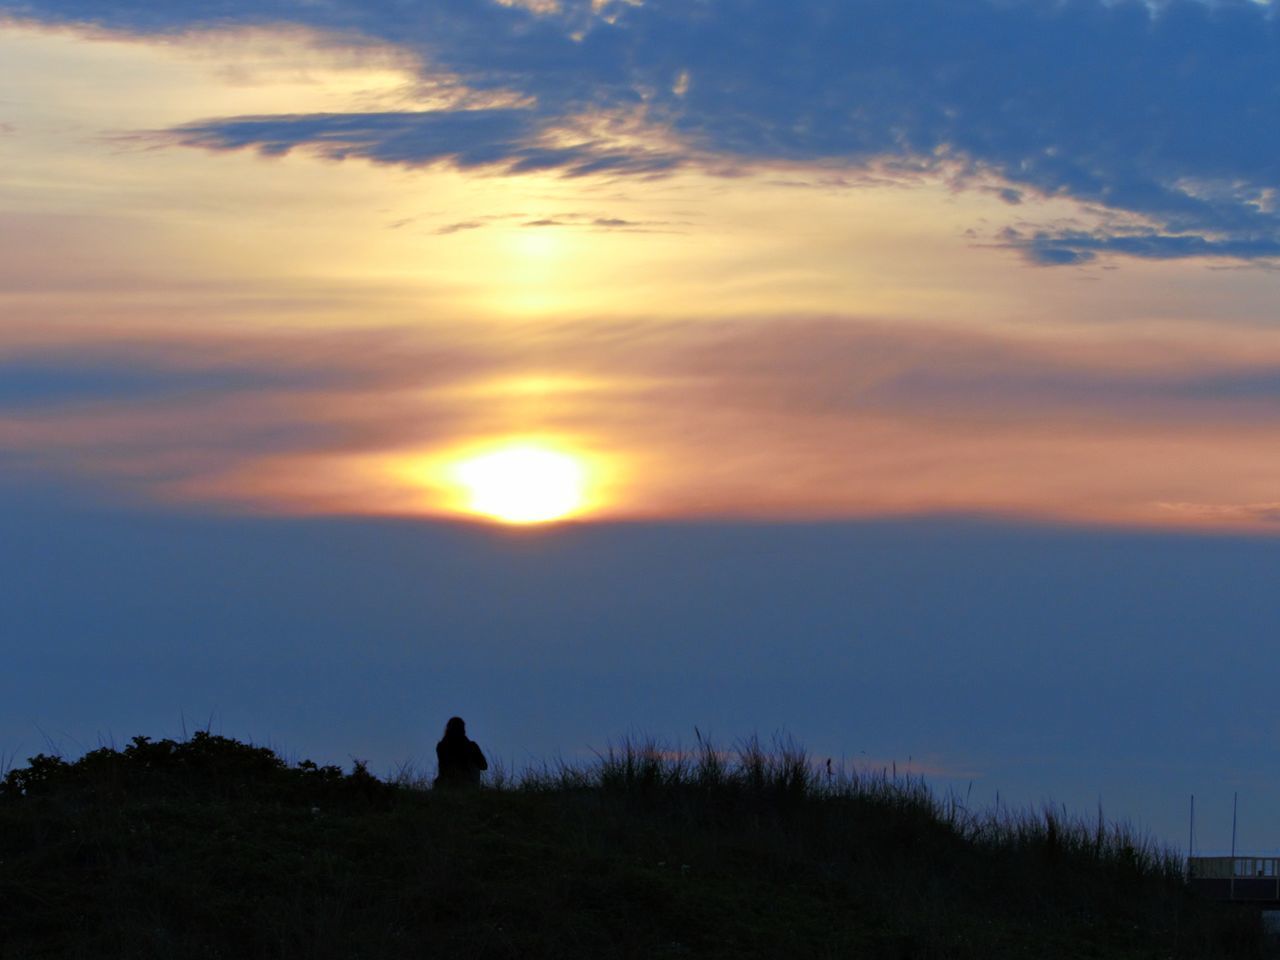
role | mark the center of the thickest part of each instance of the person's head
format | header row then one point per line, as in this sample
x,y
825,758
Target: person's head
x,y
455,727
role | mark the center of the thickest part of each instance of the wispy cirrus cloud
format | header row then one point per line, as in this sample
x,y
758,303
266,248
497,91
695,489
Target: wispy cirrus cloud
x,y
513,140
592,222
1157,111
458,227
579,221
1266,514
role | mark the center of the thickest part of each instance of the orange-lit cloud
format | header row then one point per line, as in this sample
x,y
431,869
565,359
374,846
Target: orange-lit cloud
x,y
786,418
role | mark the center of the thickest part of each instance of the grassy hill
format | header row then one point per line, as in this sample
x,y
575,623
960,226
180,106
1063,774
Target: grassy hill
x,y
211,848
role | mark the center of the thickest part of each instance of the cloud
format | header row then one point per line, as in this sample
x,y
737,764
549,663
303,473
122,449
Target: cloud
x,y
157,410
1244,513
1074,247
513,140
1162,111
581,221
458,227
814,417
40,382
587,221
853,368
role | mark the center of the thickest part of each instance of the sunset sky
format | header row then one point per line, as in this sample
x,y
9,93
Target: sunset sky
x,y
903,373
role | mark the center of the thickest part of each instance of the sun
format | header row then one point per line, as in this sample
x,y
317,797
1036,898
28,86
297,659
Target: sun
x,y
522,484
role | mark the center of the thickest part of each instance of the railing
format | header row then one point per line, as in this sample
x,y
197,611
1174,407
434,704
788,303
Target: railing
x,y
1243,879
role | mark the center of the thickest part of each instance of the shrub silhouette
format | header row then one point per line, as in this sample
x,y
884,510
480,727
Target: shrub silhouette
x,y
206,764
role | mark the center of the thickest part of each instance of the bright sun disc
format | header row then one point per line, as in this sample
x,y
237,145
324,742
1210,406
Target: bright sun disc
x,y
523,484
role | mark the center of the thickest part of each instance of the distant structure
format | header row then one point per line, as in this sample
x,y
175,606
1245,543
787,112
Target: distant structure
x,y
1251,880
459,760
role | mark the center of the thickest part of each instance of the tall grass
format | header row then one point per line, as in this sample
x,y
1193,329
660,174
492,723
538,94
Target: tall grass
x,y
783,775
920,859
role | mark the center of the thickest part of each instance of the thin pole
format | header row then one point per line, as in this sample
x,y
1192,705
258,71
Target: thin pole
x,y
1191,835
1235,802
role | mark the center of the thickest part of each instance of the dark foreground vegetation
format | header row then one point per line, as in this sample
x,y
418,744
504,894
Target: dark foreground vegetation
x,y
211,848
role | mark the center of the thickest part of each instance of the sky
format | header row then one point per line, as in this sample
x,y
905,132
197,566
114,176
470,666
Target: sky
x,y
902,374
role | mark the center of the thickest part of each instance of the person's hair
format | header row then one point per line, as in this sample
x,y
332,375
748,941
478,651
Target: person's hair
x,y
456,727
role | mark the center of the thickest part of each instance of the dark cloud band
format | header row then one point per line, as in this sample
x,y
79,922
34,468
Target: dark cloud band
x,y
514,140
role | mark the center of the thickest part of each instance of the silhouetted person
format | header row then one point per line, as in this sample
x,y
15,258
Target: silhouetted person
x,y
459,760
